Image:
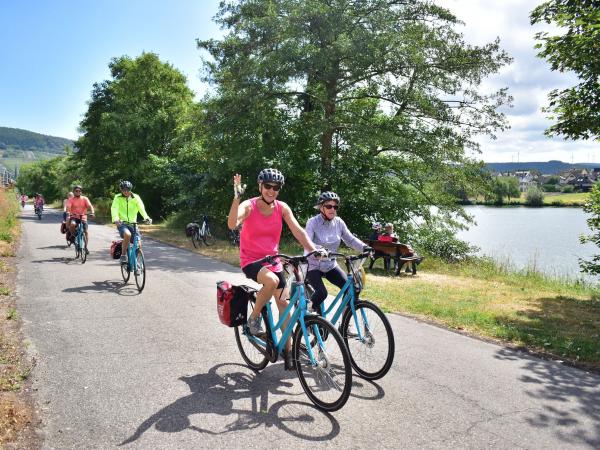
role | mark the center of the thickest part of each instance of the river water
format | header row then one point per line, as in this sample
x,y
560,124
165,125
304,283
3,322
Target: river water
x,y
546,239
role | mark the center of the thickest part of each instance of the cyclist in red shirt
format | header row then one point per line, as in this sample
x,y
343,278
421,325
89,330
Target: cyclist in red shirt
x,y
77,212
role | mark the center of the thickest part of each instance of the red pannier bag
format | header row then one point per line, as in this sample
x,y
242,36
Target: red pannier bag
x,y
232,303
115,249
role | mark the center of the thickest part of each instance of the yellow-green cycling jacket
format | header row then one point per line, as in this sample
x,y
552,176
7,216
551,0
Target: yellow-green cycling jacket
x,y
126,209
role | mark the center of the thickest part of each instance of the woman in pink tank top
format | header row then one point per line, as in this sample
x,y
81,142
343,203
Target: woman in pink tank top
x,y
262,218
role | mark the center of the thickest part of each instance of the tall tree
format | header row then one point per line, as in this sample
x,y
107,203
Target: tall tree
x,y
378,100
134,121
576,109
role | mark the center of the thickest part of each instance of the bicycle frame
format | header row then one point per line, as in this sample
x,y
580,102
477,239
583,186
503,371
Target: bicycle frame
x,y
79,233
132,249
346,298
298,300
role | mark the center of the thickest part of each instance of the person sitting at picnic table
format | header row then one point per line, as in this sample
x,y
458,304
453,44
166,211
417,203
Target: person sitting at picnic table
x,y
388,234
375,231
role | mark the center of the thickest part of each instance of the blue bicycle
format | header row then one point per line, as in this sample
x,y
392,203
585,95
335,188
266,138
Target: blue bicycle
x,y
318,351
81,250
364,327
135,259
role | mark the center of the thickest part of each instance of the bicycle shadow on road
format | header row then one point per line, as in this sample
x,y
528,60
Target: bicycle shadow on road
x,y
58,259
53,247
236,391
118,287
567,394
366,389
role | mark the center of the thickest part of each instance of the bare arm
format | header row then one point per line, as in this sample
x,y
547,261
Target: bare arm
x,y
238,212
296,229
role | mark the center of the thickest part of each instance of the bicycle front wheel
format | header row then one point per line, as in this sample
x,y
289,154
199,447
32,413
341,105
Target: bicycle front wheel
x,y
327,380
140,270
207,237
249,350
83,254
371,356
125,271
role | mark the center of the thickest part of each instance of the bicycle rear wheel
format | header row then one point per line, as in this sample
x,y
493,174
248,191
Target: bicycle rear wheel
x,y
196,239
140,270
372,357
250,351
328,383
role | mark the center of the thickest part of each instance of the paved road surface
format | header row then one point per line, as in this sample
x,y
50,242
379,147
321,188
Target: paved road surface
x,y
158,370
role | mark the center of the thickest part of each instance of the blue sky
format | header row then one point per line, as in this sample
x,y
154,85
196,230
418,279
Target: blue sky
x,y
53,52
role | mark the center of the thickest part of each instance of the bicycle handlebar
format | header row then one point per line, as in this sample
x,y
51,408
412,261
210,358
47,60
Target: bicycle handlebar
x,y
294,260
134,223
350,257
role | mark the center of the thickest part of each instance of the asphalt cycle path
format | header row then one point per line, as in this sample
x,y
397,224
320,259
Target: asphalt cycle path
x,y
157,370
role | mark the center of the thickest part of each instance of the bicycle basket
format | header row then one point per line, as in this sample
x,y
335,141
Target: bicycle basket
x,y
359,273
191,228
290,277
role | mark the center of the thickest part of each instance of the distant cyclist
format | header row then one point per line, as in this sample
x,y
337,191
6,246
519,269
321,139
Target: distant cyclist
x,y
125,207
327,230
38,202
69,196
23,200
262,219
77,208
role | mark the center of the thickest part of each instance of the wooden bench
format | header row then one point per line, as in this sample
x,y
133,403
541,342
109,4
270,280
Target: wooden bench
x,y
395,251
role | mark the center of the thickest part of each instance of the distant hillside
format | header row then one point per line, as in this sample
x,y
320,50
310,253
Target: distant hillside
x,y
546,168
16,139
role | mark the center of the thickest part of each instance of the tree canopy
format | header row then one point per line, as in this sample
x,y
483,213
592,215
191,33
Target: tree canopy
x,y
576,110
377,100
133,120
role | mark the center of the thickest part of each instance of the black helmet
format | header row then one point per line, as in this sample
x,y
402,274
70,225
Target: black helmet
x,y
328,196
271,176
125,185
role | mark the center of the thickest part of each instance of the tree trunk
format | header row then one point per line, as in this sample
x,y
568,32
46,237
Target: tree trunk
x,y
327,136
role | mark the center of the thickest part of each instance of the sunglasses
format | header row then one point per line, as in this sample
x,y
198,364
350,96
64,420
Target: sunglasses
x,y
274,187
336,207
77,190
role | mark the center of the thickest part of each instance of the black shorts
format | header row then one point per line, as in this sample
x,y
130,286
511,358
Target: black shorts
x,y
252,269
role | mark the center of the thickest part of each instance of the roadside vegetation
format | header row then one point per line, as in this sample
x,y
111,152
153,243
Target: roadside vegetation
x,y
557,317
15,411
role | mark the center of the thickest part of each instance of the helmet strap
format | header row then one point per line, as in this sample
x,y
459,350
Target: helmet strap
x,y
263,199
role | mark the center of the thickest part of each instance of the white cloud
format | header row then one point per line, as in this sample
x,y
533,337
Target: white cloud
x,y
528,78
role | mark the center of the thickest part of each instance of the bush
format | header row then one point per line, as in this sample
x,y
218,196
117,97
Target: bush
x,y
550,188
568,189
534,197
439,240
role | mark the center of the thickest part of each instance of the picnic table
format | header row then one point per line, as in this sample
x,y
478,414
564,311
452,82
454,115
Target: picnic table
x,y
400,253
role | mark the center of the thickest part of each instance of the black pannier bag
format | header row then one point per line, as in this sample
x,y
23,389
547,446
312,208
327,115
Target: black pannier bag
x,y
190,228
232,303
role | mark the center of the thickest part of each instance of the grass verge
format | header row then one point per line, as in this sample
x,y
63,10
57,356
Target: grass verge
x,y
559,318
16,410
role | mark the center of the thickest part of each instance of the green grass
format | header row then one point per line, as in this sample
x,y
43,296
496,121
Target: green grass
x,y
550,199
574,199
